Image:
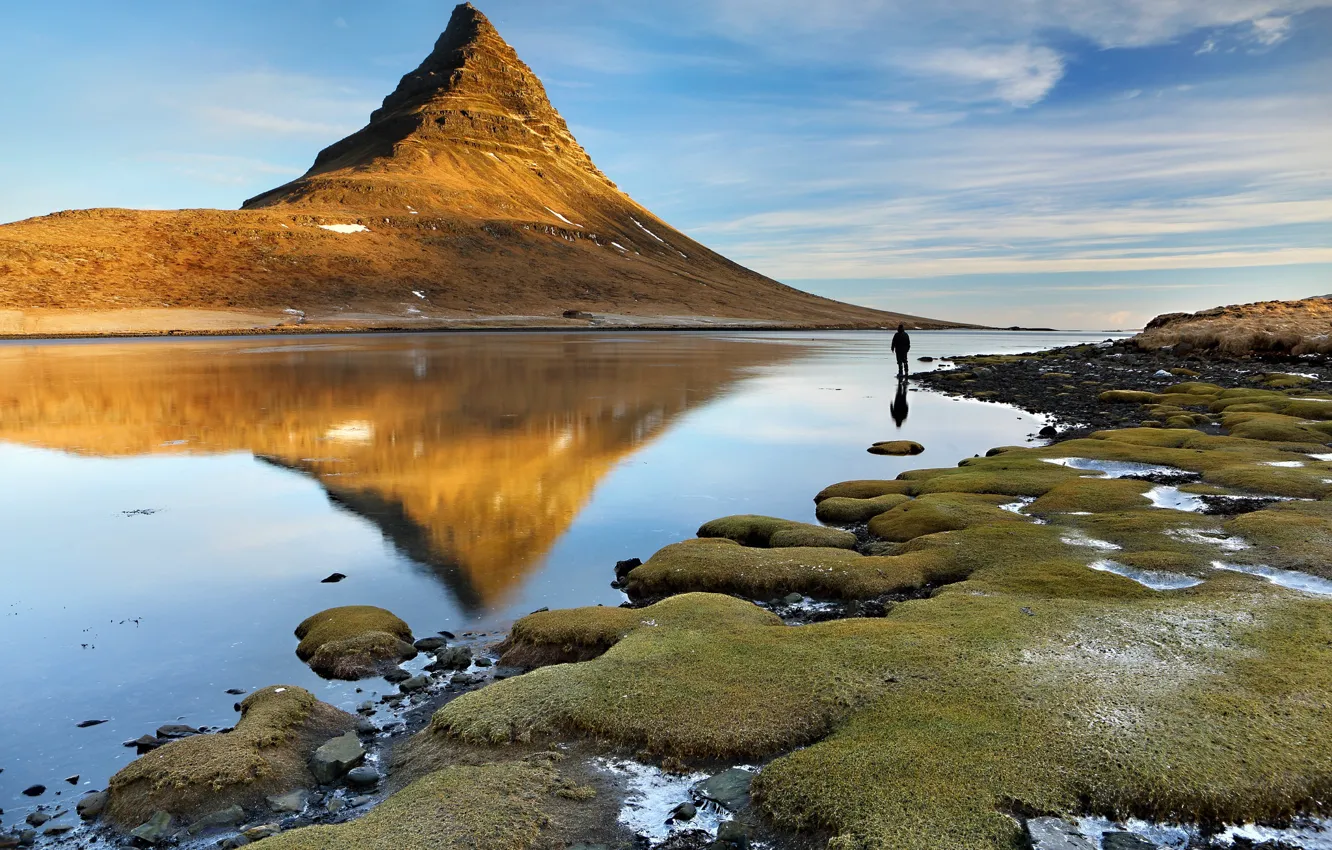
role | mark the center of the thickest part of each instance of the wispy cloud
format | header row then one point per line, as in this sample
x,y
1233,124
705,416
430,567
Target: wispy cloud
x,y
1021,74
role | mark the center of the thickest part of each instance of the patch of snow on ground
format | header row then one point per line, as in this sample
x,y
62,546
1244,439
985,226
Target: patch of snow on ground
x,y
645,230
1016,507
621,247
1210,538
294,312
418,293
1114,468
653,795
1172,498
562,218
1154,579
345,228
1077,538
1283,578
1322,457
1288,464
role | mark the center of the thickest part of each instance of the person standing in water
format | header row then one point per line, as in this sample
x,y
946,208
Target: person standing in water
x,y
902,347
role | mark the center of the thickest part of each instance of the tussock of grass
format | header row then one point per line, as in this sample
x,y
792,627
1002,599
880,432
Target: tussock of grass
x,y
763,531
1127,397
933,513
863,490
1092,495
353,642
486,807
562,637
896,448
1289,535
843,511
266,754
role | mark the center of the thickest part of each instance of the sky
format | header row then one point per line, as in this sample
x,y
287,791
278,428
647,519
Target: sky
x,y
1043,163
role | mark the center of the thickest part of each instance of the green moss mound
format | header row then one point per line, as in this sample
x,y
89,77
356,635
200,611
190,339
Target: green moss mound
x,y
266,754
487,807
763,531
843,511
896,448
563,637
938,512
862,490
1092,495
1288,535
353,642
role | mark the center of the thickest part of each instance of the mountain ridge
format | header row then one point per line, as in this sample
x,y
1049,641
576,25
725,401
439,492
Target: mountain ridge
x,y
464,201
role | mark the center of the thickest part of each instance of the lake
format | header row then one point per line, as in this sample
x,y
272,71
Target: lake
x,y
170,507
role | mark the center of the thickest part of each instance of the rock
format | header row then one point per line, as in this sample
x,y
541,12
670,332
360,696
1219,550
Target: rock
x,y
176,730
685,812
234,842
92,805
507,672
360,800
72,780
88,723
259,833
8,841
155,830
1049,432
733,834
223,819
336,804
792,599
415,683
56,829
1125,841
453,658
34,791
37,818
576,314
1056,834
235,692
292,801
430,644
364,776
144,743
728,789
483,662
897,448
622,568
366,726
447,635
366,707
465,679
333,579
397,675
332,760
27,838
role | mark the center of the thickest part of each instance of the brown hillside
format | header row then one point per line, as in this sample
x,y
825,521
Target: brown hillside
x,y
468,199
1264,328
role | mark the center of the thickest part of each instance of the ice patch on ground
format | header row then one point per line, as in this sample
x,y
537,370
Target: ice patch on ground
x,y
1017,507
1283,578
1171,498
1077,538
1210,538
563,219
345,228
1304,833
1154,579
1115,468
653,795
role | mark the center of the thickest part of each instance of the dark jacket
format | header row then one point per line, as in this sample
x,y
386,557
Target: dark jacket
x,y
901,344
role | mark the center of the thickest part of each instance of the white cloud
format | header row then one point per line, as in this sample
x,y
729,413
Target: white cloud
x,y
1271,30
1021,74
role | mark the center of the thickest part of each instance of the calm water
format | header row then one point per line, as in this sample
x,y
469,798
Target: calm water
x,y
170,506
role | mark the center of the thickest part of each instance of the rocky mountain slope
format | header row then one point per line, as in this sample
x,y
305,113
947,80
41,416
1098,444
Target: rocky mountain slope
x,y
1264,328
464,201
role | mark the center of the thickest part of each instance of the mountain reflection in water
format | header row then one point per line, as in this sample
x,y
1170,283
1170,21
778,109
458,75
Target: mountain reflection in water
x,y
471,453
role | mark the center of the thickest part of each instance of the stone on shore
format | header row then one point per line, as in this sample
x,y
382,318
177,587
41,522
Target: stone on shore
x,y
335,757
1056,834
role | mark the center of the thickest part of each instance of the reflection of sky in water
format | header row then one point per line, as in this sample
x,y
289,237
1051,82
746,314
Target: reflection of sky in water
x,y
231,561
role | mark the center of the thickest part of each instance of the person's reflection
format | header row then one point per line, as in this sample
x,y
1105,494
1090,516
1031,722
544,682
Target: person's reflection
x,y
900,408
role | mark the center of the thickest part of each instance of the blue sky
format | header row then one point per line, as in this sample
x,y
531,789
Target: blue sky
x,y
1039,162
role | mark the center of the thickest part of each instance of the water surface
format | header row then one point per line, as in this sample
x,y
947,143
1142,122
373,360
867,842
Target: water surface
x,y
170,506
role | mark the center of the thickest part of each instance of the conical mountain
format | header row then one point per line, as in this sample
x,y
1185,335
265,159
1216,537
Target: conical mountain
x,y
465,201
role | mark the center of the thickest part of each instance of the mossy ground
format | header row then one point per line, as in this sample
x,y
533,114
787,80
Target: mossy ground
x,y
1027,682
487,807
840,510
353,642
764,531
266,754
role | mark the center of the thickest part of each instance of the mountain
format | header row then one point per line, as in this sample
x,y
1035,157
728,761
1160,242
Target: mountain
x,y
1262,329
465,201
